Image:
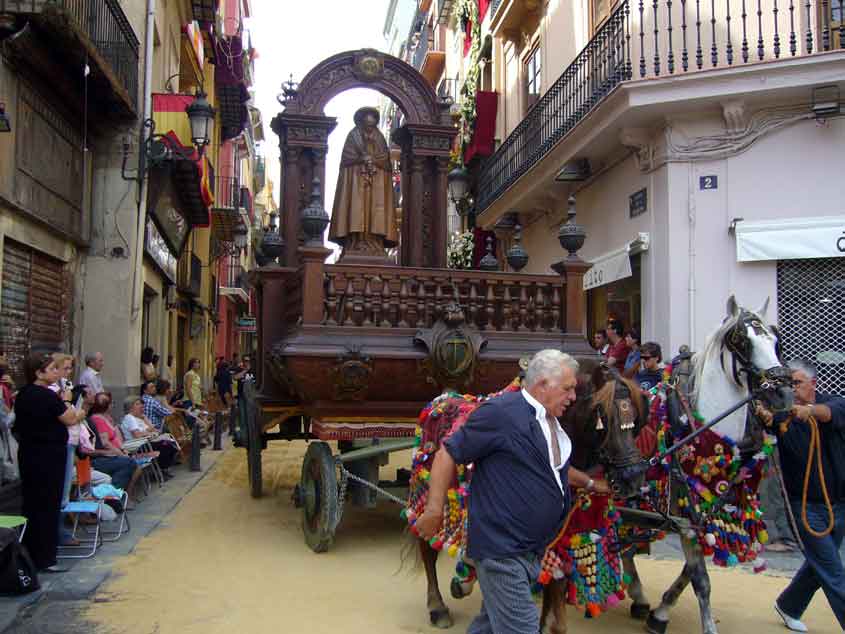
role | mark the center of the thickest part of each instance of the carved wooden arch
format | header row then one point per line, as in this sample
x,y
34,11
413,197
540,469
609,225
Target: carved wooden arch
x,y
369,68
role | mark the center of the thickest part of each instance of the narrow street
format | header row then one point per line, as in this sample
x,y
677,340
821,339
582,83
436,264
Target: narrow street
x,y
223,562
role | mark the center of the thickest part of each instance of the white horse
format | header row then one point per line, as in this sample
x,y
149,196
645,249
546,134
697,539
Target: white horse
x,y
738,359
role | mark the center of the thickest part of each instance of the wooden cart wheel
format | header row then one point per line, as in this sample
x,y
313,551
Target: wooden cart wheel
x,y
253,440
318,490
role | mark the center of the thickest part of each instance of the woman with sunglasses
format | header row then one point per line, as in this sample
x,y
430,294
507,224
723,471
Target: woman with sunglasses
x,y
41,428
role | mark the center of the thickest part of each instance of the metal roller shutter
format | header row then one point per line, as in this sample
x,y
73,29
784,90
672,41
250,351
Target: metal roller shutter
x,y
811,316
35,305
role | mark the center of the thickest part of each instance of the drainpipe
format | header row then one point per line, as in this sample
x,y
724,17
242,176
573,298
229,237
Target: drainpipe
x,y
146,114
691,248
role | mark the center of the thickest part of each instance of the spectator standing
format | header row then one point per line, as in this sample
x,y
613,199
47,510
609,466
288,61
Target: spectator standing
x,y
63,387
632,362
7,386
148,369
244,374
618,351
600,342
223,379
167,369
41,422
823,566
193,384
650,373
90,375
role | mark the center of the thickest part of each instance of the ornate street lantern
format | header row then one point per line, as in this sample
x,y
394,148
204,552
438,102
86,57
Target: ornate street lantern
x,y
458,180
201,116
272,245
241,234
489,261
571,235
517,256
314,218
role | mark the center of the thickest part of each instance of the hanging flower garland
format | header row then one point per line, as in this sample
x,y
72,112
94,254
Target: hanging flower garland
x,y
467,10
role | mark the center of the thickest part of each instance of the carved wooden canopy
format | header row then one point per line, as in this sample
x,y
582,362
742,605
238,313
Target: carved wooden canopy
x,y
368,68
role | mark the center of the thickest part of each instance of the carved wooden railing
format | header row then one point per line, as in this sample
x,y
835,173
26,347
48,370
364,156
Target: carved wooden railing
x,y
388,297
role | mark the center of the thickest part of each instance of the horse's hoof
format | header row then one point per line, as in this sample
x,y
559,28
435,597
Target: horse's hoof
x,y
654,625
440,618
640,611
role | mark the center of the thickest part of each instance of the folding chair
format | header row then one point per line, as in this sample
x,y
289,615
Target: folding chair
x,y
14,521
136,446
79,507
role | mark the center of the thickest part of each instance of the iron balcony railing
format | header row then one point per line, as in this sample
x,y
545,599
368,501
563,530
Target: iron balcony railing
x,y
228,192
108,28
189,274
424,43
236,277
494,6
657,38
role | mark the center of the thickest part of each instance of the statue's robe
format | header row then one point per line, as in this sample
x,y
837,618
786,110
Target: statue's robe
x,y
363,202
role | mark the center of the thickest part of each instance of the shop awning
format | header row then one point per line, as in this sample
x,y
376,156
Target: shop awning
x,y
790,239
614,265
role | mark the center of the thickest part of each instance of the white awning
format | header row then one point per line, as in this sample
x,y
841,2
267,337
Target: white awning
x,y
790,239
614,265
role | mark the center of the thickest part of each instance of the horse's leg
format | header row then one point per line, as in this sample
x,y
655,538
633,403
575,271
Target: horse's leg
x,y
700,583
438,613
695,571
554,601
640,605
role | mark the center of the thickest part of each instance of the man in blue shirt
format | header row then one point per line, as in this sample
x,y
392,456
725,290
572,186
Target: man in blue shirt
x,y
822,568
519,495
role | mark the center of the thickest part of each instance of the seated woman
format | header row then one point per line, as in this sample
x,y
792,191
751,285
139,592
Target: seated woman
x,y
176,402
109,456
136,425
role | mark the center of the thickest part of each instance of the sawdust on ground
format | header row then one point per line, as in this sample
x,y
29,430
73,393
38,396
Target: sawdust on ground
x,y
226,563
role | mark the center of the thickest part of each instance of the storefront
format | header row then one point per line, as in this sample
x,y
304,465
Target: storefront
x,y
614,286
809,255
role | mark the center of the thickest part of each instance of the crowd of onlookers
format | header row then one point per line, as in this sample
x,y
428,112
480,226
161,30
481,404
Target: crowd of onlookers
x,y
56,423
622,350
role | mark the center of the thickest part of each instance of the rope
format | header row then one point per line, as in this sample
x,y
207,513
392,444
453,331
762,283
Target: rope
x,y
815,444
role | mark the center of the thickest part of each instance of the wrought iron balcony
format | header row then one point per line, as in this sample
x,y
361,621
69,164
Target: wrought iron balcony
x,y
189,275
643,39
228,192
104,29
235,283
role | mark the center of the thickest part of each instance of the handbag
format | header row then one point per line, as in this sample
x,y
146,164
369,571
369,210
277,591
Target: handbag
x,y
18,574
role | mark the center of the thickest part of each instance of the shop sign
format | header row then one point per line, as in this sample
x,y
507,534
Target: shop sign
x,y
166,210
608,268
246,324
157,249
638,203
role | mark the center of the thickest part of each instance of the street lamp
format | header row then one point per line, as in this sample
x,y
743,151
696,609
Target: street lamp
x,y
458,180
240,234
201,116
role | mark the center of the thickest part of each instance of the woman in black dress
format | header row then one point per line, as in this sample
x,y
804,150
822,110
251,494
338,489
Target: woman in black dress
x,y
41,422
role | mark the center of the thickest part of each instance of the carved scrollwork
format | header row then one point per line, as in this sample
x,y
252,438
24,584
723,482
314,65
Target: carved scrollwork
x,y
351,375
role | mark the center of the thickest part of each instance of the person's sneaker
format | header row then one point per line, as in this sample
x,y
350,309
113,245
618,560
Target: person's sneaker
x,y
793,624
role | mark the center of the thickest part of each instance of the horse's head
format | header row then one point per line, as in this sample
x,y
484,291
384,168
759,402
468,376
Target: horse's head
x,y
607,415
755,349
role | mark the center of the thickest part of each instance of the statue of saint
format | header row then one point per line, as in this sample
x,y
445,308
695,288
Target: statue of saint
x,y
364,214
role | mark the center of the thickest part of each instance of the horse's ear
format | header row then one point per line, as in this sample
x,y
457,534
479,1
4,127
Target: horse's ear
x,y
761,312
733,307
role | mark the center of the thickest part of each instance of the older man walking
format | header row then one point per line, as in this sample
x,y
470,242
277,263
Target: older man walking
x,y
519,495
822,567
90,376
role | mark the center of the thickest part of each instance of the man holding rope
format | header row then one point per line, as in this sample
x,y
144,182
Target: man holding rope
x,y
817,499
519,496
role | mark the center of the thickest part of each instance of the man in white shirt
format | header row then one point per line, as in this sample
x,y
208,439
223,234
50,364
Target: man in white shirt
x,y
90,376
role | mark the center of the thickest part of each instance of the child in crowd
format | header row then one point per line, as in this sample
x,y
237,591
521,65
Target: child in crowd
x,y
650,373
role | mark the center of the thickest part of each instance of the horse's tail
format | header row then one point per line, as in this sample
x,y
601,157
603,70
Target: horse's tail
x,y
409,553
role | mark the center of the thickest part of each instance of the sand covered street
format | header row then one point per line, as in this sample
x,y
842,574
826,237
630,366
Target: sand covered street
x,y
223,563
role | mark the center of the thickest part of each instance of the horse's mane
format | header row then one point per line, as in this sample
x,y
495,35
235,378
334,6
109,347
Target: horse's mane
x,y
604,395
713,350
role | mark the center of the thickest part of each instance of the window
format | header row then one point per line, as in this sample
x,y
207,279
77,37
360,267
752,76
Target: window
x,y
600,10
837,16
532,77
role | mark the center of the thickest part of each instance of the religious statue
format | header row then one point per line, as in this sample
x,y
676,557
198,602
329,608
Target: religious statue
x,y
364,214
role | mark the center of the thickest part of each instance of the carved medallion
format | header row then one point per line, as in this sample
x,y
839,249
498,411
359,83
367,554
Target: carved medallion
x,y
369,65
351,375
453,349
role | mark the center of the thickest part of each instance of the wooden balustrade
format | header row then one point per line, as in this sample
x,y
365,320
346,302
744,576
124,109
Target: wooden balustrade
x,y
400,297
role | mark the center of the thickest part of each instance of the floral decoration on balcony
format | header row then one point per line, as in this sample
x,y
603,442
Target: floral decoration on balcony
x,y
460,249
466,11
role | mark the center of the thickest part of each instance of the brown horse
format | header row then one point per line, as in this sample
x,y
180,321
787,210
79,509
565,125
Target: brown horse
x,y
602,423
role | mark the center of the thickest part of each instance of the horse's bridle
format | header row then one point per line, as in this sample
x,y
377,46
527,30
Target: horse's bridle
x,y
738,343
